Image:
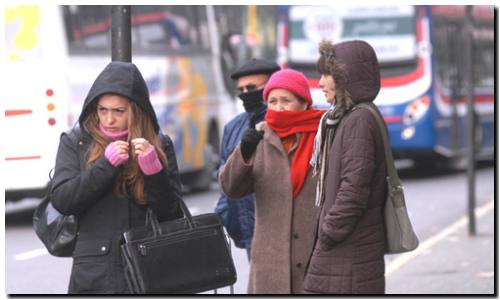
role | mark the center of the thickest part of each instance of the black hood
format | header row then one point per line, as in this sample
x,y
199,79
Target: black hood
x,y
124,79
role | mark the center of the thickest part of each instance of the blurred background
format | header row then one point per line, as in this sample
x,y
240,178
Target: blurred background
x,y
437,98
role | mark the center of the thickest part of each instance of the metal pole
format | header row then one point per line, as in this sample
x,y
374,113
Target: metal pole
x,y
471,128
121,33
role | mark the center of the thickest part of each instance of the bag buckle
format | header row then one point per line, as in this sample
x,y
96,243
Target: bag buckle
x,y
397,188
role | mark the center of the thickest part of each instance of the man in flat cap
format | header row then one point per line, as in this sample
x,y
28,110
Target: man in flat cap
x,y
239,216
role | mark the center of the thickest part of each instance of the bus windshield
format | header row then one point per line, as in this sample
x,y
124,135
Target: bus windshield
x,y
391,30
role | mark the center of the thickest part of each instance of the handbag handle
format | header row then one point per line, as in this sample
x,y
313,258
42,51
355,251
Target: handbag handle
x,y
152,219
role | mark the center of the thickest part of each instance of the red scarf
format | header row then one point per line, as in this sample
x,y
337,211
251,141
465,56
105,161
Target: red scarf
x,y
286,123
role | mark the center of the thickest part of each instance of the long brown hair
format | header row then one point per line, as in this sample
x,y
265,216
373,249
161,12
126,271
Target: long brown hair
x,y
130,180
327,64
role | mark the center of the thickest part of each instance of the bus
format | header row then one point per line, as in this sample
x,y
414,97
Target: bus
x,y
419,48
179,50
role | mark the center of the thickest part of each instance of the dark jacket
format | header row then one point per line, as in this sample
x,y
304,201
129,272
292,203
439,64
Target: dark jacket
x,y
237,216
352,261
87,192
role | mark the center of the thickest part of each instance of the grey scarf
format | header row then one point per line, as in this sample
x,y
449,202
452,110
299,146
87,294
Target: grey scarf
x,y
322,142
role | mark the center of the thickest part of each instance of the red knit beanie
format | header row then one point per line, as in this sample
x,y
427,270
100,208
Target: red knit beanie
x,y
291,80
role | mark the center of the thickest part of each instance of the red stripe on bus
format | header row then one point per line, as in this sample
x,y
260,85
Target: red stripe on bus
x,y
17,112
391,81
420,25
393,119
477,99
405,79
23,157
313,82
135,20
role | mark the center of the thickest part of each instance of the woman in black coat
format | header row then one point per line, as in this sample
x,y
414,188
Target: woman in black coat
x,y
109,170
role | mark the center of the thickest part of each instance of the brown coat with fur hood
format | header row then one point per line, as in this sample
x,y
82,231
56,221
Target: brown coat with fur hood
x,y
285,227
352,261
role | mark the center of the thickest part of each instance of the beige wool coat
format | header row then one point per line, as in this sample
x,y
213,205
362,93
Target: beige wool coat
x,y
285,228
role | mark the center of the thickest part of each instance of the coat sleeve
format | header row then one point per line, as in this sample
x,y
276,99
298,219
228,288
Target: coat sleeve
x,y
236,177
163,189
222,204
357,171
74,189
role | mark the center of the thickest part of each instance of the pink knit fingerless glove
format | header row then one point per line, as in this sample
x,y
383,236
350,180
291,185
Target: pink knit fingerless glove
x,y
150,163
114,157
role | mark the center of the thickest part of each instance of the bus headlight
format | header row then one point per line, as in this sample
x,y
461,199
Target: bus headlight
x,y
408,133
416,110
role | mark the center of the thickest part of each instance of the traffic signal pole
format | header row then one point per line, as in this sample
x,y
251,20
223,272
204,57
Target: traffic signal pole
x,y
471,120
121,46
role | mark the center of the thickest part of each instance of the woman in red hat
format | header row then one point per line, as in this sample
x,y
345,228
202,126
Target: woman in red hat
x,y
272,161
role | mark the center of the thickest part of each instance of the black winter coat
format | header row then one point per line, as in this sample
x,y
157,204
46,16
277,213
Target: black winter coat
x,y
87,192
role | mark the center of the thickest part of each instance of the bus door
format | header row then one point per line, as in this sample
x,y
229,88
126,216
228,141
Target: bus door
x,y
450,86
483,64
449,45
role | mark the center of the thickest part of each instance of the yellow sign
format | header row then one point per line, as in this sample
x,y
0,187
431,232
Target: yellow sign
x,y
22,24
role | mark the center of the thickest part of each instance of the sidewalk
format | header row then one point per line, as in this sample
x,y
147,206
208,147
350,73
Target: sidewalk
x,y
453,263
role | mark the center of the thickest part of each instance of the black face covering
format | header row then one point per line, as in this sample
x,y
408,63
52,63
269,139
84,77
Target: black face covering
x,y
252,101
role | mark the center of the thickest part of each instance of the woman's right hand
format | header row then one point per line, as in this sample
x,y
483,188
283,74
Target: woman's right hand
x,y
117,153
249,142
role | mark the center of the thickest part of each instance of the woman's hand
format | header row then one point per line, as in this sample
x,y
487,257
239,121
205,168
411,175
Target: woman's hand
x,y
326,241
249,142
141,146
117,152
147,157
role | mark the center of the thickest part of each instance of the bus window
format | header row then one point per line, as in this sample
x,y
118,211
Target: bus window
x,y
484,64
164,27
484,56
154,28
246,31
87,28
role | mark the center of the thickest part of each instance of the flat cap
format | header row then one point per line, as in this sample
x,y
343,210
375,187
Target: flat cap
x,y
255,66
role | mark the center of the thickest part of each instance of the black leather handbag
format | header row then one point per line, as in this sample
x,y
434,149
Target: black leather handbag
x,y
188,255
56,231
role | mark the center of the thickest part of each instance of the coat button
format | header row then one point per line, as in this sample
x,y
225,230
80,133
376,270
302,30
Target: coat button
x,y
80,143
295,235
103,248
299,265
